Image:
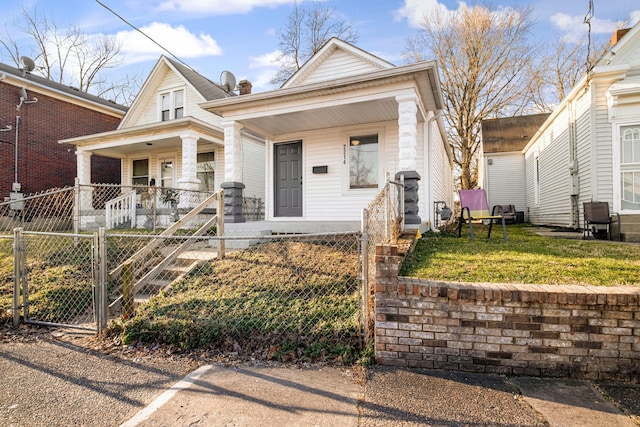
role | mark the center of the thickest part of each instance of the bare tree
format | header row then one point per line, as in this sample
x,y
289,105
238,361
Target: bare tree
x,y
308,29
484,56
68,56
560,69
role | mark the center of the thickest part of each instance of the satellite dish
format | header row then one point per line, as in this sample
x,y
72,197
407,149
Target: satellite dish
x,y
28,63
227,81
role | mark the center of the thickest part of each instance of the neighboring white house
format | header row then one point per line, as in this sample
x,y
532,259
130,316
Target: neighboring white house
x,y
335,130
502,171
589,148
166,139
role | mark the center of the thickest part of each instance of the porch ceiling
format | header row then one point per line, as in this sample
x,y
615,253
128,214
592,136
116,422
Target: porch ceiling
x,y
155,137
325,117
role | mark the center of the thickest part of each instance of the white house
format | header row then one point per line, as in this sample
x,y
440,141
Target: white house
x,y
589,148
502,171
334,131
166,139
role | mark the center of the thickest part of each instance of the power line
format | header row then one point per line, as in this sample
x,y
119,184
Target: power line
x,y
144,34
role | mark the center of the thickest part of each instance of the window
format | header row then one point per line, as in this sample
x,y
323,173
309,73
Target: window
x,y
363,161
205,171
178,104
140,172
536,177
166,173
172,105
630,167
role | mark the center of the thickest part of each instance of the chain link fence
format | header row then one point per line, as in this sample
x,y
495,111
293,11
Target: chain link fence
x,y
161,270
382,223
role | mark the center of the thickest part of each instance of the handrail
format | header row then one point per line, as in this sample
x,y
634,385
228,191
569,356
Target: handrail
x,y
120,210
154,243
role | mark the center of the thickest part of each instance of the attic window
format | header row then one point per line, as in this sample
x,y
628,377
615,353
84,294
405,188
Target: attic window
x,y
172,105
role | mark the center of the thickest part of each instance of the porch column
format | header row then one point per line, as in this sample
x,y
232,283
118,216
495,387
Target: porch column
x,y
407,155
83,172
233,185
189,179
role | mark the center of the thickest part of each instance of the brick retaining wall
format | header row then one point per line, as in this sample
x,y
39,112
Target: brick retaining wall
x,y
541,330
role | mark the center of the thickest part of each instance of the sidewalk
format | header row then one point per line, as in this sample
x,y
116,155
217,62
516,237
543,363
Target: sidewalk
x,y
288,396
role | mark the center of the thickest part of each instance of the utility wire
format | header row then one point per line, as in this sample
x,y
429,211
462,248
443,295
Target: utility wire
x,y
144,34
152,40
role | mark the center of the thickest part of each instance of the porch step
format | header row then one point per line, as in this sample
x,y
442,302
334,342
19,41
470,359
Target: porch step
x,y
630,236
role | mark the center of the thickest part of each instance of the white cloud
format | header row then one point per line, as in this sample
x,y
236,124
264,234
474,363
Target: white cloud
x,y
416,10
267,60
218,7
569,23
178,40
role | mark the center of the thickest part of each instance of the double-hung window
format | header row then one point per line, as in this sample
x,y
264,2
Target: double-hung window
x,y
205,171
172,105
363,161
630,167
140,172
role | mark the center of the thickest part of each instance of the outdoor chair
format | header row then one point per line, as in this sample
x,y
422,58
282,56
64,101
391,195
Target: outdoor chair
x,y
597,213
509,213
474,207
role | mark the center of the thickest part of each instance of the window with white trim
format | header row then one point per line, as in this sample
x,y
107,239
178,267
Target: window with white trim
x,y
172,105
140,172
363,161
630,167
205,171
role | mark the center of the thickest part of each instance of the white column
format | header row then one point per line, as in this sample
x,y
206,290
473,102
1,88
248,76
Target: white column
x,y
232,151
84,197
83,167
189,179
407,132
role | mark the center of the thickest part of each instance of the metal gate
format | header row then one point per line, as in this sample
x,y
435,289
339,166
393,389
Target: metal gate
x,y
57,280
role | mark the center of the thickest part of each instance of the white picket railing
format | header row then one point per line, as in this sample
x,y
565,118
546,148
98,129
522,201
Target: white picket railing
x,y
120,210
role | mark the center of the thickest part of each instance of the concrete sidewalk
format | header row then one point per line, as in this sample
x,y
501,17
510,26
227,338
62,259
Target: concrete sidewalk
x,y
248,395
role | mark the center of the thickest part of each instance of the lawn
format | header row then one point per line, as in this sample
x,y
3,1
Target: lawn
x,y
525,258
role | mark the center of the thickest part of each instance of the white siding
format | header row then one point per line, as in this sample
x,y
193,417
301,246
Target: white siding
x,y
505,179
253,167
603,189
326,197
147,111
339,64
552,145
583,140
441,171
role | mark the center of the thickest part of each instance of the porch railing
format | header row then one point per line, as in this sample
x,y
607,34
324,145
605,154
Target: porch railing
x,y
121,210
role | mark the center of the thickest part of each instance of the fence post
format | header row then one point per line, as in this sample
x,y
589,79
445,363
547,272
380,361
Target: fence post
x,y
76,209
220,225
100,281
365,274
18,272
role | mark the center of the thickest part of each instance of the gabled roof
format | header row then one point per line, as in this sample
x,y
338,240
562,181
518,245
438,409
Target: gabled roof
x,y
202,86
208,89
333,47
71,94
509,133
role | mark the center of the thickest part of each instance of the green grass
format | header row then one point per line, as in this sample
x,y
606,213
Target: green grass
x,y
287,301
525,258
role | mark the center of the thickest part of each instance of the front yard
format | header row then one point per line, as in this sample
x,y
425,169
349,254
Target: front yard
x,y
525,258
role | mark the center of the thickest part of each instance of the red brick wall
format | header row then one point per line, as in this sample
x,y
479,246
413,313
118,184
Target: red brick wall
x,y
543,330
42,162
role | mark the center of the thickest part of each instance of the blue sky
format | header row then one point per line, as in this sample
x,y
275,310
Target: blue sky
x,y
241,35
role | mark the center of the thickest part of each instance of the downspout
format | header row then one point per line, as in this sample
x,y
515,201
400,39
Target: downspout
x,y
429,167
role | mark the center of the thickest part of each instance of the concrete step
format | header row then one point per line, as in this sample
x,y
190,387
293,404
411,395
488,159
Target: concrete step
x,y
630,236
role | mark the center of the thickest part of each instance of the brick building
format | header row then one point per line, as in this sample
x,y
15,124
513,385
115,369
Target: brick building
x,y
49,113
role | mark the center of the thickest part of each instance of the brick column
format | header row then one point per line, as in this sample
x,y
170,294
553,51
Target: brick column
x,y
408,154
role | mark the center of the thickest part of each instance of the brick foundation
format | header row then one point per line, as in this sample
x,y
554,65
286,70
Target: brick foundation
x,y
541,330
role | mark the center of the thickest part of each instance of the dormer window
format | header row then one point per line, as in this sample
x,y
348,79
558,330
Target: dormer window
x,y
172,105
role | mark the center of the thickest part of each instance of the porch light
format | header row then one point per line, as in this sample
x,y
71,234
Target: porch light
x,y
355,142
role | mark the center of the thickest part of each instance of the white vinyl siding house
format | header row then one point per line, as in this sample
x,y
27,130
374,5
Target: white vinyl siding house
x,y
343,94
506,171
580,149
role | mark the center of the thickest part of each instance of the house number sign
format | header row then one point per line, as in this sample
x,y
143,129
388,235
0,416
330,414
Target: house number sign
x,y
344,154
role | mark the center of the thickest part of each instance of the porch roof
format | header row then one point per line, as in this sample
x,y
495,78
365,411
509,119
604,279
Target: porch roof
x,y
152,136
365,98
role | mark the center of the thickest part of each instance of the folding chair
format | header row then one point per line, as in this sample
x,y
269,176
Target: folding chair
x,y
474,207
597,213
